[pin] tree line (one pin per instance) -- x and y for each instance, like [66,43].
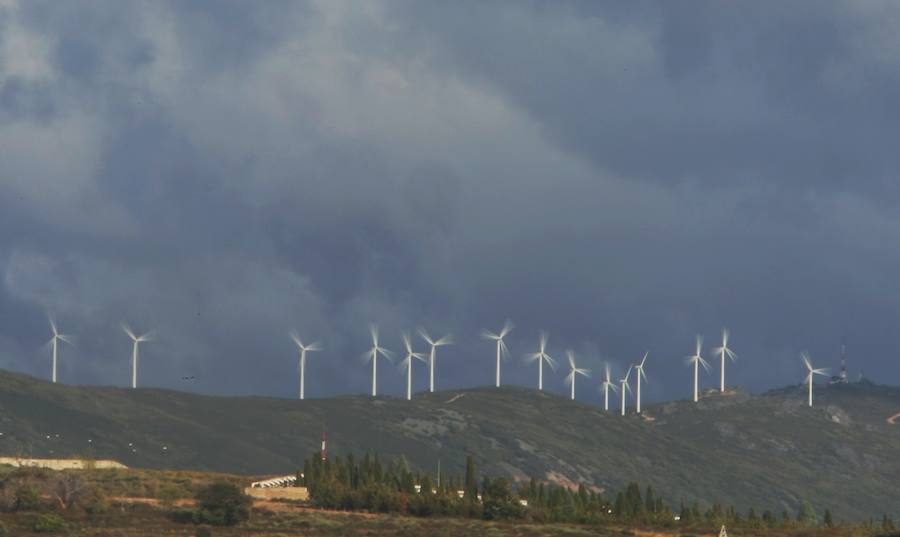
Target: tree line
[368,484]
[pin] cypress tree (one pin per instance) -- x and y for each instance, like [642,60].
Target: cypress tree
[650,500]
[827,519]
[619,508]
[471,487]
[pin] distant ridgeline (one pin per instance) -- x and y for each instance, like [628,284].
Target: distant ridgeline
[368,485]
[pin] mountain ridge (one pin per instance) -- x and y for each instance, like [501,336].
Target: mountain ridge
[768,451]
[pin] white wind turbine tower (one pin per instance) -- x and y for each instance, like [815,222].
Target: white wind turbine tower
[625,387]
[541,356]
[134,352]
[372,354]
[407,363]
[724,351]
[312,347]
[606,386]
[54,343]
[446,340]
[811,372]
[502,350]
[640,373]
[698,361]
[575,371]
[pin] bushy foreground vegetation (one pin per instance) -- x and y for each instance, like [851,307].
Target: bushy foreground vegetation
[369,485]
[131,503]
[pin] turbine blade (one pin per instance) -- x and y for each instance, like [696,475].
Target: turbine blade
[296,337]
[446,340]
[66,338]
[407,343]
[373,330]
[613,387]
[550,361]
[129,331]
[507,328]
[53,326]
[313,347]
[425,336]
[571,356]
[149,336]
[490,335]
[544,339]
[704,363]
[806,361]
[644,359]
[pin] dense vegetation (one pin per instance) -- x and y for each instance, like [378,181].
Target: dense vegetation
[368,484]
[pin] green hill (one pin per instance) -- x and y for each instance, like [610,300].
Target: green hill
[767,451]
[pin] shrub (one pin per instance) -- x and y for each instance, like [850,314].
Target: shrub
[95,503]
[182,516]
[48,523]
[27,499]
[4,531]
[222,504]
[203,531]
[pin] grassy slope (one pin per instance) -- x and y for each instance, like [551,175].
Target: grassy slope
[765,451]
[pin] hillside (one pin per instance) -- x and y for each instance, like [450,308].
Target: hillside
[767,451]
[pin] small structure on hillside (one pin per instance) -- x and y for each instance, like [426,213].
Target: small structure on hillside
[277,488]
[62,464]
[722,532]
[273,482]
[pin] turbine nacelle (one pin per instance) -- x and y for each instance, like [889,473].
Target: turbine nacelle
[149,336]
[574,370]
[446,340]
[312,347]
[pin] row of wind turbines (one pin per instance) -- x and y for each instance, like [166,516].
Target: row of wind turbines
[64,338]
[696,360]
[724,353]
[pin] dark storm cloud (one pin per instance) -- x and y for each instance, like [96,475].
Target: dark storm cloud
[624,178]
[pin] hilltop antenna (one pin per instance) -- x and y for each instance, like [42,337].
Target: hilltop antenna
[324,446]
[439,475]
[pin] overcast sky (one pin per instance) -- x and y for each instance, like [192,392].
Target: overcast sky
[623,176]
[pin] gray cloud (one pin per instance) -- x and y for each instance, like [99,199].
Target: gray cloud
[624,178]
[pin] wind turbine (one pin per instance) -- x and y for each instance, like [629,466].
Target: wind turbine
[407,363]
[502,350]
[541,356]
[134,352]
[574,371]
[640,373]
[724,351]
[625,387]
[811,372]
[446,340]
[312,347]
[606,386]
[54,343]
[372,354]
[698,361]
